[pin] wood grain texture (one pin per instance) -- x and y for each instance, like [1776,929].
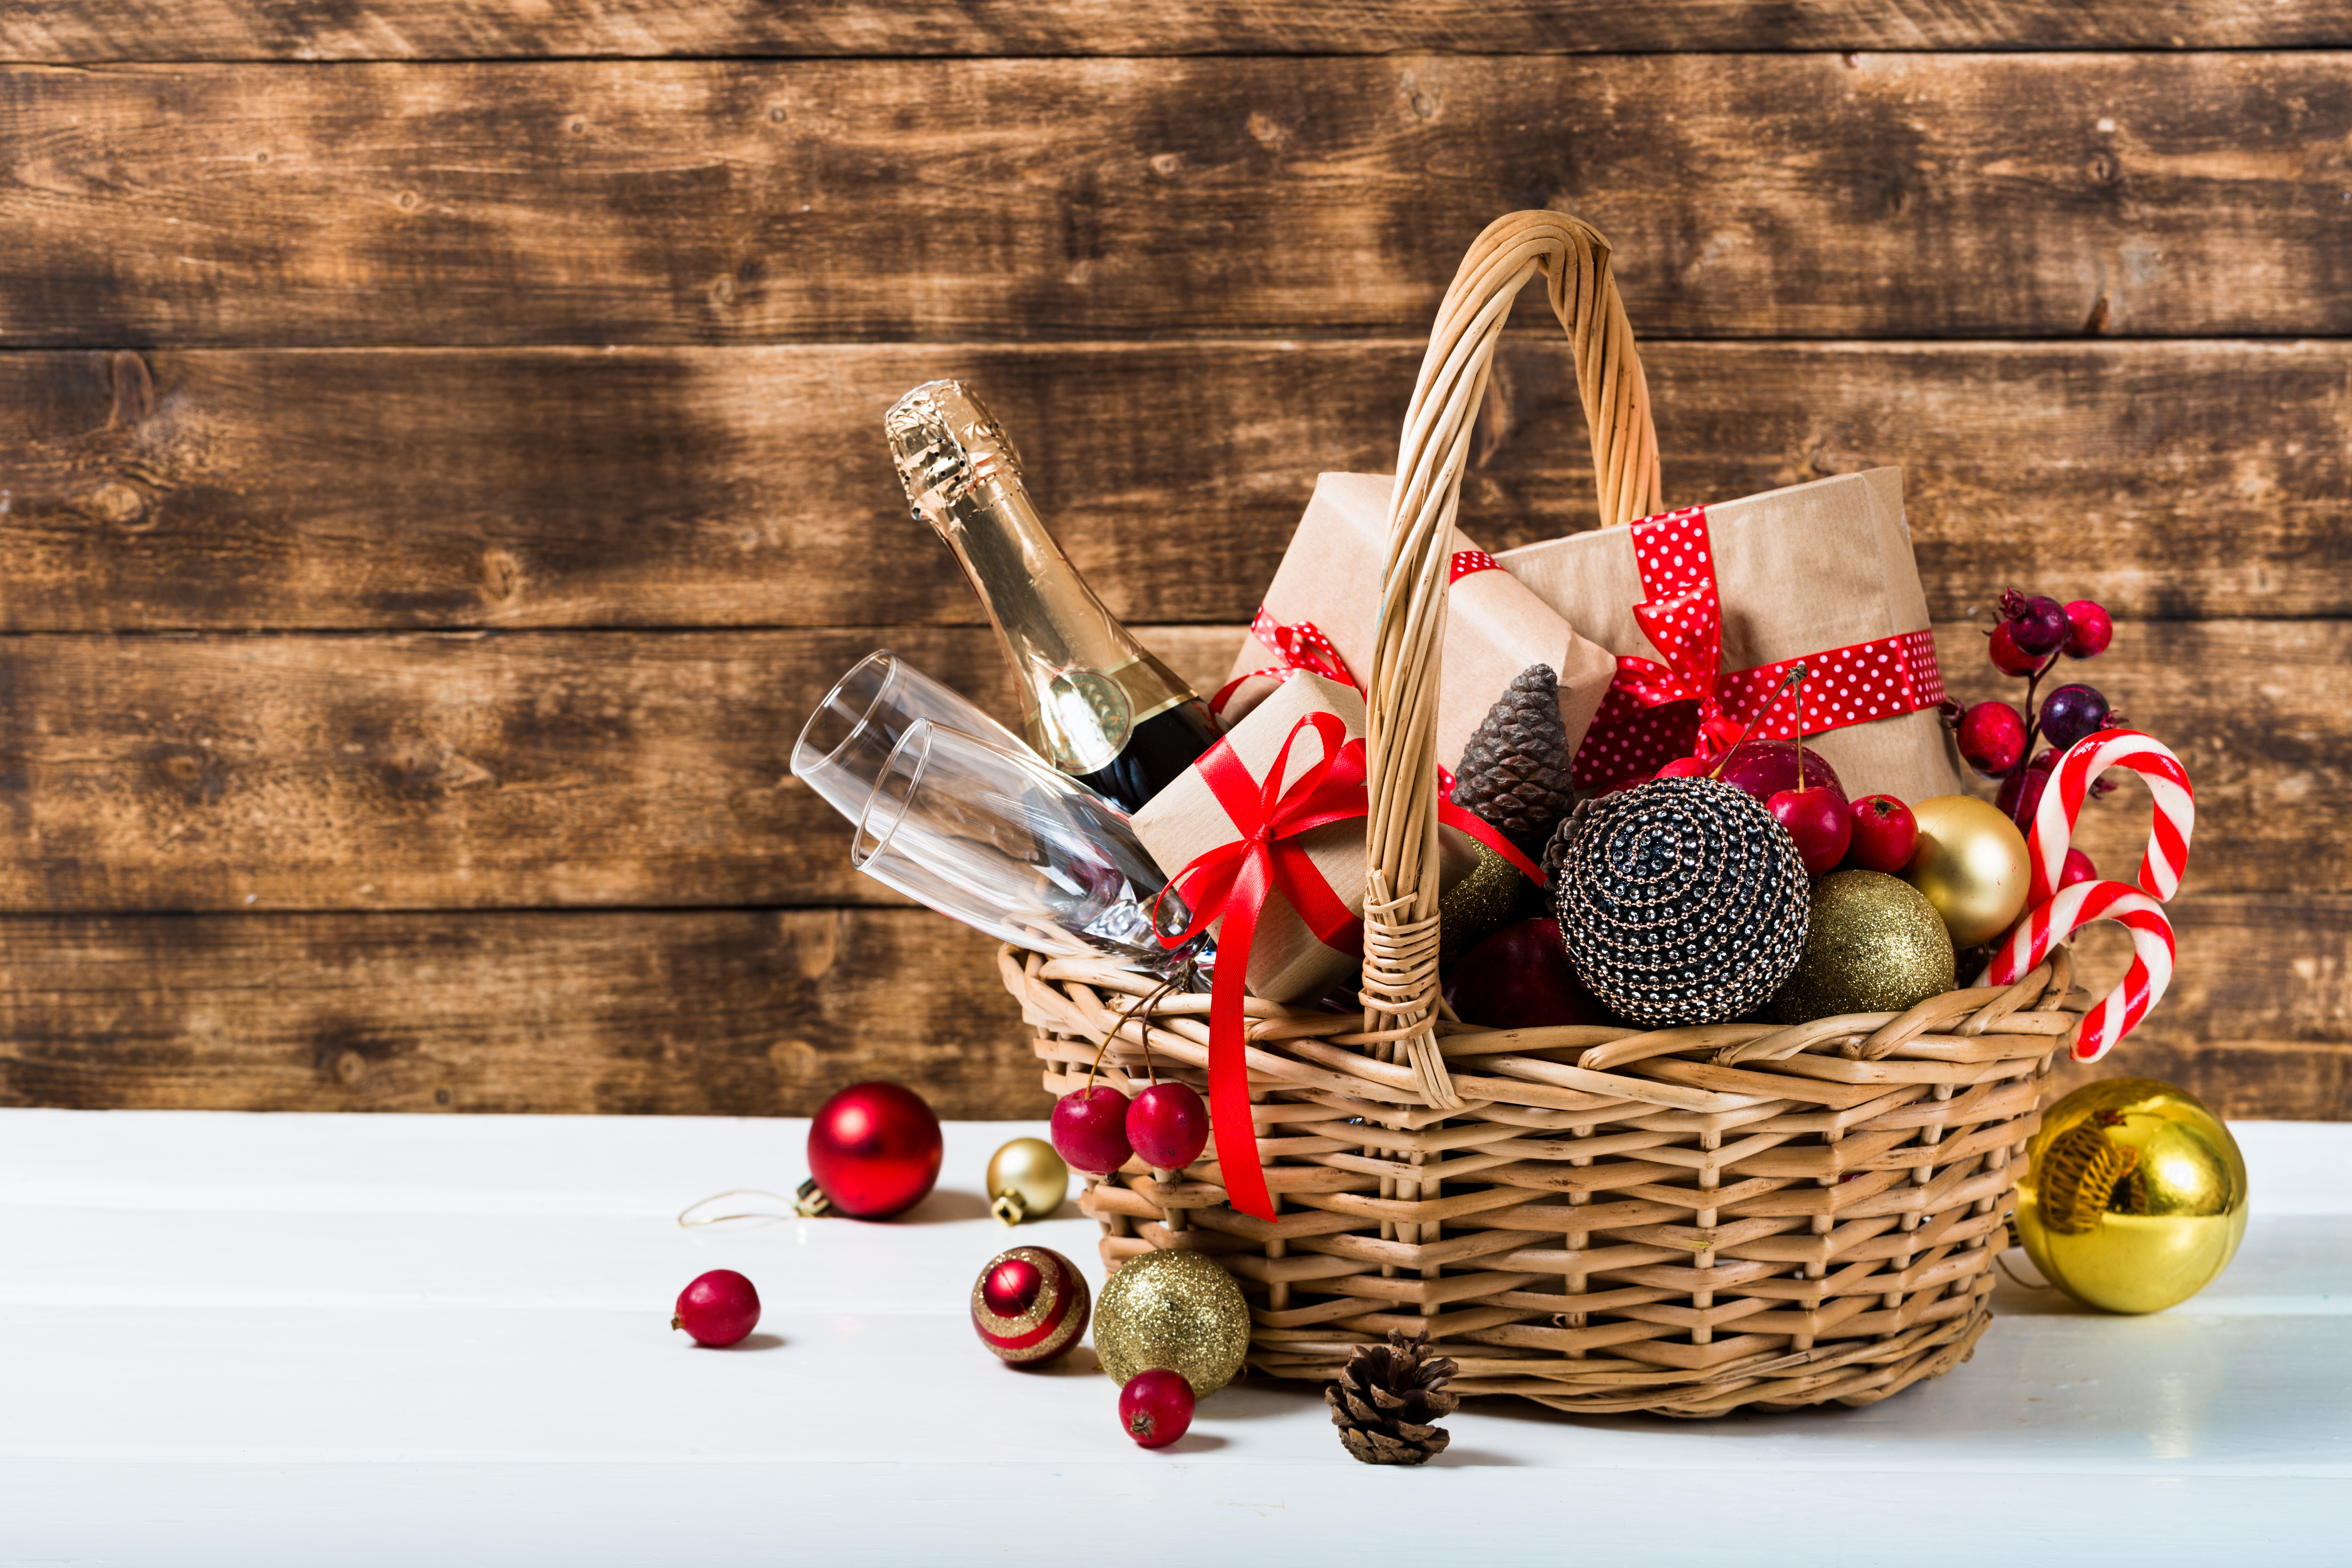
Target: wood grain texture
[765,1012]
[128,31]
[1810,196]
[257,489]
[471,770]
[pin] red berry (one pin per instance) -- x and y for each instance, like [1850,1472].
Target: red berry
[1885,833]
[2020,792]
[1090,1129]
[1992,737]
[1685,768]
[1167,1125]
[2037,626]
[717,1309]
[2078,869]
[2007,657]
[1820,821]
[2090,629]
[1156,1407]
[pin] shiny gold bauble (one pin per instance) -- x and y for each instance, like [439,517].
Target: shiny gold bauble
[1874,944]
[1478,906]
[2135,1198]
[1027,1181]
[1971,864]
[1177,1311]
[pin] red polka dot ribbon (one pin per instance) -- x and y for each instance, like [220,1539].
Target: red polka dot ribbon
[1302,647]
[1689,706]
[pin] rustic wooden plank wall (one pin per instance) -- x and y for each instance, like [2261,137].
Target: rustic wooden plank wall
[438,459]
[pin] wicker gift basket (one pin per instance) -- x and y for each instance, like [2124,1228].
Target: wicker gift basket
[1681,1220]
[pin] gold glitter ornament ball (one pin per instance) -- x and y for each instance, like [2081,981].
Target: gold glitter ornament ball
[1177,1311]
[1026,1180]
[2135,1198]
[1971,864]
[1478,906]
[1874,944]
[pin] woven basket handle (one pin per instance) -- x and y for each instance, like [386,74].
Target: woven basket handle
[1399,986]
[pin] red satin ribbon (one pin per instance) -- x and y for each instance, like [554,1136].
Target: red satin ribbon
[1304,645]
[1232,882]
[1640,727]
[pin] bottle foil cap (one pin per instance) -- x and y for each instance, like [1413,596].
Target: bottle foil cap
[945,442]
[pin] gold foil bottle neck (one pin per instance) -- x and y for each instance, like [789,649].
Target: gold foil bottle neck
[945,443]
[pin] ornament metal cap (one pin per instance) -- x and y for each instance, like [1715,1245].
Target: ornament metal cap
[810,1202]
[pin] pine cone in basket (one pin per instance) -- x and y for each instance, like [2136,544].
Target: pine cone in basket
[1387,1398]
[1514,773]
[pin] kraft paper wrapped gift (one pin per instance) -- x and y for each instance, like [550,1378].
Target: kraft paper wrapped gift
[1328,593]
[1287,962]
[1821,573]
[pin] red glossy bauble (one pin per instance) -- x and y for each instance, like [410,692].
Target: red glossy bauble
[1029,1305]
[1885,835]
[1765,768]
[1089,1128]
[1821,822]
[1685,768]
[719,1308]
[1520,978]
[873,1149]
[1168,1126]
[2077,868]
[1156,1407]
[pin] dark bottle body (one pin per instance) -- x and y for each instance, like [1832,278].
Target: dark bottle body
[1157,751]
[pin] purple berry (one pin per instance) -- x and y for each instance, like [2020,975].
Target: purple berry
[2037,626]
[2071,712]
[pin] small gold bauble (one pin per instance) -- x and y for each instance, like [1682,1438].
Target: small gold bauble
[1874,944]
[2135,1196]
[1971,864]
[1478,906]
[1027,1181]
[1173,1310]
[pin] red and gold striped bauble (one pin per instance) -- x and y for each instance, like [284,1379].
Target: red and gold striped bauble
[1029,1305]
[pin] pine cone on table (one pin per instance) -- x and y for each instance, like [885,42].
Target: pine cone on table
[1387,1398]
[1515,771]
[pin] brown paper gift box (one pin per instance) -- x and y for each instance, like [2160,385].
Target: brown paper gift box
[1330,576]
[1800,571]
[1288,962]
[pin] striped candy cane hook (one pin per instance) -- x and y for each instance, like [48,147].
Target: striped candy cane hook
[2118,1013]
[2070,785]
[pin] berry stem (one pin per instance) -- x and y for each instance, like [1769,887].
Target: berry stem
[2025,755]
[1792,678]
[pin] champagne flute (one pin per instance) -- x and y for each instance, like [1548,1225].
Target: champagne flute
[992,836]
[844,745]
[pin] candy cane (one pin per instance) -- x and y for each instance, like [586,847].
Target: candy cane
[2118,1013]
[2070,785]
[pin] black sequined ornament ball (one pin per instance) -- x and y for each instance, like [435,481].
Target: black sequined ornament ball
[1680,901]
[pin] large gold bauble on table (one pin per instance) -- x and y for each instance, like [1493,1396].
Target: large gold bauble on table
[1874,944]
[1177,1311]
[2136,1195]
[1027,1181]
[1971,864]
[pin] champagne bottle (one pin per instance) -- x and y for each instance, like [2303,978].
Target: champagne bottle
[1098,705]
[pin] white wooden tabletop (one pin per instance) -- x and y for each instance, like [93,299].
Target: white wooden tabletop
[346,1340]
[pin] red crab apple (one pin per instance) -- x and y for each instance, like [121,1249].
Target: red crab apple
[1885,833]
[1819,819]
[1167,1125]
[1089,1129]
[1765,768]
[1520,978]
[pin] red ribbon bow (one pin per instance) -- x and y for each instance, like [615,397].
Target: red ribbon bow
[1302,647]
[1232,882]
[1687,627]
